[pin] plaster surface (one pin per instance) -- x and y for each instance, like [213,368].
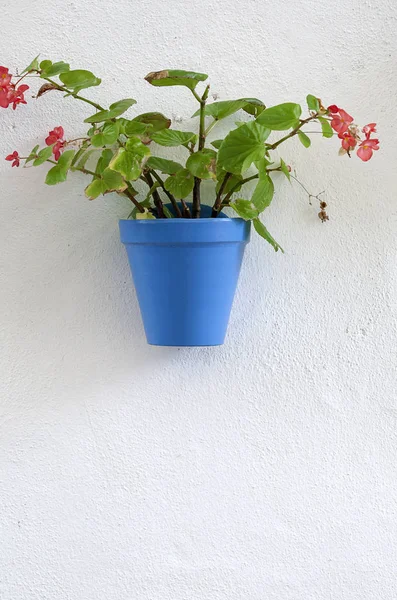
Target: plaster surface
[261,470]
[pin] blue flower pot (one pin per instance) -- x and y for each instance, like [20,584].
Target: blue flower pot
[185,273]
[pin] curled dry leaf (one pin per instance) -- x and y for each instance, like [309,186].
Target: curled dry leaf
[47,87]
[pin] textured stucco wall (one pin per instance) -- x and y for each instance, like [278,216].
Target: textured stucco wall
[261,470]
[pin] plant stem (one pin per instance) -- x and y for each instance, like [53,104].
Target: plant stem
[240,183]
[62,88]
[292,133]
[201,144]
[167,193]
[196,198]
[20,79]
[211,126]
[316,196]
[186,209]
[218,200]
[156,197]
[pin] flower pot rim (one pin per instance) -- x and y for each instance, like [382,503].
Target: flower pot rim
[184,231]
[184,220]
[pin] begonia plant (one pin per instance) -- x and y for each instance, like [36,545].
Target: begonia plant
[119,150]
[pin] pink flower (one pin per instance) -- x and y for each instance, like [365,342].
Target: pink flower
[56,134]
[333,108]
[340,122]
[9,93]
[16,95]
[14,157]
[4,101]
[55,137]
[368,129]
[367,148]
[348,140]
[5,78]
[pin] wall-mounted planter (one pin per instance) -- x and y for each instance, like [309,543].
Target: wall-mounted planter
[185,273]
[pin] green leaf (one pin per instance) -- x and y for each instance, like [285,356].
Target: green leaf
[263,193]
[45,64]
[139,150]
[163,164]
[313,103]
[326,128]
[145,215]
[146,203]
[157,120]
[202,164]
[54,69]
[109,181]
[245,209]
[42,156]
[115,110]
[168,213]
[217,144]
[262,165]
[222,109]
[127,164]
[285,170]
[173,137]
[263,232]
[242,146]
[80,152]
[103,161]
[181,184]
[254,106]
[280,117]
[128,160]
[175,77]
[113,180]
[95,189]
[225,108]
[304,139]
[107,135]
[59,172]
[82,160]
[34,65]
[79,79]
[135,128]
[32,154]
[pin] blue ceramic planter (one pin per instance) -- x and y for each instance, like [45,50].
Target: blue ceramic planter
[185,273]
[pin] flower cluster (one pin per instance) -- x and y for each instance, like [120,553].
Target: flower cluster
[11,94]
[56,137]
[14,158]
[342,123]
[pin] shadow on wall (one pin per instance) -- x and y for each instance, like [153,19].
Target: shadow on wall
[72,304]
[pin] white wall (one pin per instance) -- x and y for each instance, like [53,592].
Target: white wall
[261,470]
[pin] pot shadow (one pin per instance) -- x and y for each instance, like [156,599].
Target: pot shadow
[76,317]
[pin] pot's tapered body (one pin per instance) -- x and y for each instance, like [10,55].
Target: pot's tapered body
[185,273]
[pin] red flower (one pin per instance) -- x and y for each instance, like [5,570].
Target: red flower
[367,148]
[16,95]
[368,129]
[340,122]
[4,101]
[9,93]
[55,137]
[5,78]
[14,157]
[348,140]
[333,108]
